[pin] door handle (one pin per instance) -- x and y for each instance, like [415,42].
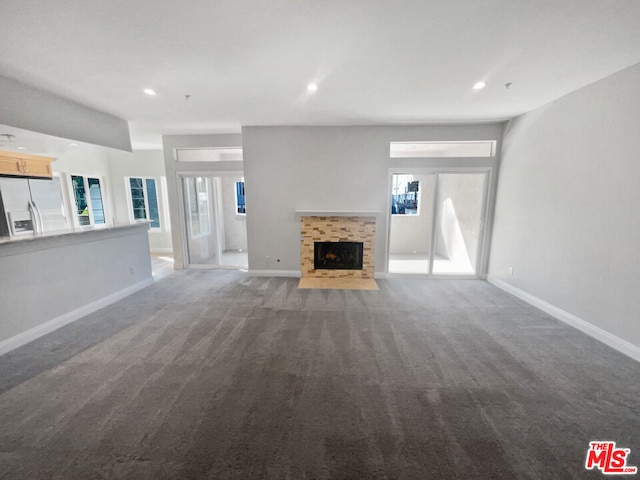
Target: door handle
[35,218]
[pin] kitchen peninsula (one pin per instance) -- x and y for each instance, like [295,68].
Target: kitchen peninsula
[49,280]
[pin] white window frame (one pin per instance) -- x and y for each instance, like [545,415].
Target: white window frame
[147,218]
[74,205]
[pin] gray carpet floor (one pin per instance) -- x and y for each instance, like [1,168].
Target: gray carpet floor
[217,375]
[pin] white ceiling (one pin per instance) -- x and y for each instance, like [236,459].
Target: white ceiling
[247,62]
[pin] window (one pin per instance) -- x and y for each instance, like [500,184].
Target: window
[442,149]
[404,195]
[240,205]
[144,200]
[197,190]
[87,193]
[227,154]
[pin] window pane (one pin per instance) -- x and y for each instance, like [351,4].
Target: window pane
[152,199]
[79,194]
[203,204]
[137,199]
[192,196]
[197,198]
[240,197]
[442,149]
[404,195]
[209,154]
[95,194]
[459,222]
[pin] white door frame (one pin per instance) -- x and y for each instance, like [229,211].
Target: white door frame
[214,215]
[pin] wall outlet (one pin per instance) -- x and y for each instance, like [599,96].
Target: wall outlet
[510,270]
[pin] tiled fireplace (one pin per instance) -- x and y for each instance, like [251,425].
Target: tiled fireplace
[340,246]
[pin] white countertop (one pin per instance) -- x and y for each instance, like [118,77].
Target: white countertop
[71,231]
[35,242]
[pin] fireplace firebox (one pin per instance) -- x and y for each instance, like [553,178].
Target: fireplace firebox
[338,255]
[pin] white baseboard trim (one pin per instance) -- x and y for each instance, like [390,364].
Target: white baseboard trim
[160,251]
[275,273]
[598,333]
[51,325]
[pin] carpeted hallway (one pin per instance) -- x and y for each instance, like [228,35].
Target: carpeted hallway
[217,375]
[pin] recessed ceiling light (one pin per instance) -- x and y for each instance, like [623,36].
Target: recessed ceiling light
[479,86]
[149,91]
[73,144]
[21,148]
[312,87]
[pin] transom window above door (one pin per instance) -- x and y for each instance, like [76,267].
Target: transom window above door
[442,149]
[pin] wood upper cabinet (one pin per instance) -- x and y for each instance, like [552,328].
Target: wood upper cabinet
[23,165]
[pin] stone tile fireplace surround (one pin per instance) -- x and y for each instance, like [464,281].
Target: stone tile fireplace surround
[333,227]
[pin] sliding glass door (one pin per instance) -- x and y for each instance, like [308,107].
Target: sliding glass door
[201,243]
[458,223]
[215,221]
[443,234]
[412,213]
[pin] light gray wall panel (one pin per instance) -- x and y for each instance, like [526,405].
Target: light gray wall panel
[32,109]
[45,278]
[566,218]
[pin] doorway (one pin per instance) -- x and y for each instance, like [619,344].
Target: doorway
[215,221]
[437,222]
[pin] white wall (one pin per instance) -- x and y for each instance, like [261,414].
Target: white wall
[567,206]
[328,168]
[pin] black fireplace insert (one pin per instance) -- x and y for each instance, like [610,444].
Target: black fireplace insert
[337,255]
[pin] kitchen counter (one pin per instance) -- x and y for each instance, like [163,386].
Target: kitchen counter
[72,231]
[48,280]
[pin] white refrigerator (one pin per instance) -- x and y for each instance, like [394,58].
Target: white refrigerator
[31,206]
